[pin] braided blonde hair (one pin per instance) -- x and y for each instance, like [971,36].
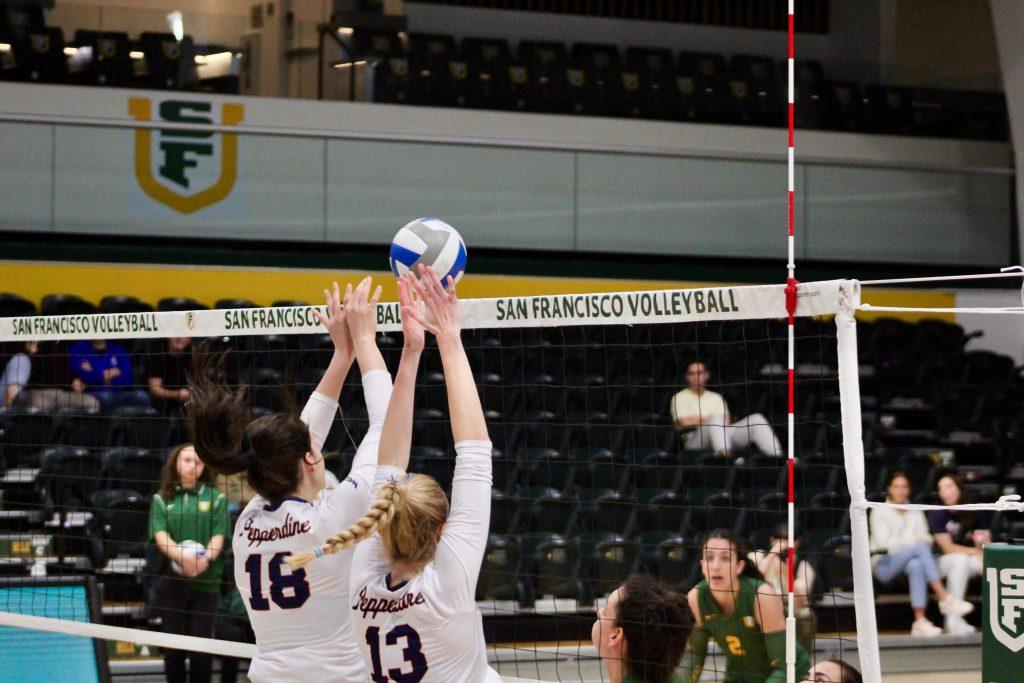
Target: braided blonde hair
[409,516]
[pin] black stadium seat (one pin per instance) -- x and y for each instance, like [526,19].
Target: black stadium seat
[498,576]
[65,304]
[123,304]
[13,305]
[26,430]
[40,56]
[108,61]
[170,63]
[68,477]
[119,526]
[137,469]
[179,303]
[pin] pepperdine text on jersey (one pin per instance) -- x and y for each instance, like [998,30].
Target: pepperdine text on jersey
[290,527]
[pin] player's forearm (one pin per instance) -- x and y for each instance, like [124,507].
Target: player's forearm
[368,355]
[396,438]
[214,547]
[467,415]
[335,374]
[168,546]
[693,656]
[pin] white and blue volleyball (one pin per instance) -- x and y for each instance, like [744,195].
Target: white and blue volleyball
[430,242]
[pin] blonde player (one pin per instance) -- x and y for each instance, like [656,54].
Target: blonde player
[303,630]
[413,582]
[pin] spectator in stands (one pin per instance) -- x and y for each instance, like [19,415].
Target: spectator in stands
[833,671]
[900,543]
[704,416]
[104,369]
[188,521]
[641,631]
[772,564]
[168,376]
[960,535]
[15,388]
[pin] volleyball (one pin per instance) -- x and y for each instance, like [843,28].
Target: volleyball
[189,548]
[431,242]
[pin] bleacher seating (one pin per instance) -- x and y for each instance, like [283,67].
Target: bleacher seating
[550,77]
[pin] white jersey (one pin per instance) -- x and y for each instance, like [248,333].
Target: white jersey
[429,629]
[303,630]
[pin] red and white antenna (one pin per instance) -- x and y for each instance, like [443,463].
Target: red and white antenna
[791,285]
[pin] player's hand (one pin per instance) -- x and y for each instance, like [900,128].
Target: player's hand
[361,311]
[334,321]
[190,564]
[77,385]
[443,318]
[412,328]
[184,394]
[202,564]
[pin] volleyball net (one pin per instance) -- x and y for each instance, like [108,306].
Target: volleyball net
[595,475]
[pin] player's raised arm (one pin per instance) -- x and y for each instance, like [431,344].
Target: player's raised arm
[396,439]
[361,316]
[322,405]
[445,323]
[464,538]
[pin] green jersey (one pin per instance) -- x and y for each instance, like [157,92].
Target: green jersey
[196,515]
[751,656]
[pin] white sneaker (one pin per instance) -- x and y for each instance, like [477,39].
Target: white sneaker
[923,628]
[956,626]
[951,606]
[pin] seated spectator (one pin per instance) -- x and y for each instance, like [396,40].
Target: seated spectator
[15,388]
[168,376]
[833,671]
[900,543]
[961,536]
[104,369]
[772,564]
[188,521]
[641,631]
[705,416]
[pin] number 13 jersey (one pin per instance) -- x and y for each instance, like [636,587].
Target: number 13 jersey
[428,629]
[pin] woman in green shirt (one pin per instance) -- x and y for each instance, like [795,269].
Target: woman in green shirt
[744,615]
[188,521]
[641,631]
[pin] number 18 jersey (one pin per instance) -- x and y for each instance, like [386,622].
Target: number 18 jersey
[300,618]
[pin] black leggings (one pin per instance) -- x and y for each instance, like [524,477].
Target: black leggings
[186,611]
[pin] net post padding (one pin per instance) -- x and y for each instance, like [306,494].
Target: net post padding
[853,456]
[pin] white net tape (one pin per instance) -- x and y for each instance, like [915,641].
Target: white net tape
[613,308]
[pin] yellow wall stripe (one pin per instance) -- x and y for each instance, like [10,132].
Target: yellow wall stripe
[150,283]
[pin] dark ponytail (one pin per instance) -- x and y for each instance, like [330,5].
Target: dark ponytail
[227,439]
[739,546]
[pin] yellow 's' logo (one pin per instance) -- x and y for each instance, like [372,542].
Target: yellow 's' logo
[182,149]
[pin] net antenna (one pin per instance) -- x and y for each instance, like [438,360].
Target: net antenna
[791,285]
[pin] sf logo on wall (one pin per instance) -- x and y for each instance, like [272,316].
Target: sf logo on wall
[186,176]
[1006,606]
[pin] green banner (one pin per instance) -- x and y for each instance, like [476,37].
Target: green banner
[1002,649]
